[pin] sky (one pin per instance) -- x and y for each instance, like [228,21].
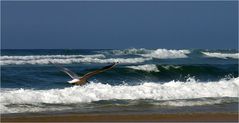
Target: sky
[119,25]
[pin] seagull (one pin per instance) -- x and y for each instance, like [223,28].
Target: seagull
[76,80]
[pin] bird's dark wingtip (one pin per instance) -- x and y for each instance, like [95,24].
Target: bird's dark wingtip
[50,62]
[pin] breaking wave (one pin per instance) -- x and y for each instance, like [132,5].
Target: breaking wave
[158,53]
[167,54]
[97,91]
[222,55]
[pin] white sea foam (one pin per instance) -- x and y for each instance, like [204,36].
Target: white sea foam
[97,91]
[167,54]
[72,60]
[147,67]
[222,55]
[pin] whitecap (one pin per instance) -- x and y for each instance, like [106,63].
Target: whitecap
[148,90]
[146,67]
[167,54]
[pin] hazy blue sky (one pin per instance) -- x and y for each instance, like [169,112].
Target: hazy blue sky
[90,25]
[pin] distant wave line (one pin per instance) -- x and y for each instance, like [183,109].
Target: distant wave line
[222,55]
[74,60]
[30,57]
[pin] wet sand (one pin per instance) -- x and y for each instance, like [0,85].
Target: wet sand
[198,117]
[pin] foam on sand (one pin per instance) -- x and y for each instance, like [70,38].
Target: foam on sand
[196,102]
[222,55]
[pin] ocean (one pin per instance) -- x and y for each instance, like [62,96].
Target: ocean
[144,81]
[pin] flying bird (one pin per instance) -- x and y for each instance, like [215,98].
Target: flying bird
[76,80]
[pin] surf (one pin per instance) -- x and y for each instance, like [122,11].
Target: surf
[147,90]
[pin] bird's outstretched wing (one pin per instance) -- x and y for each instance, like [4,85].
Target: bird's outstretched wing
[90,74]
[67,71]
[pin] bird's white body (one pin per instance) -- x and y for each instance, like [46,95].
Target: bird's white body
[74,81]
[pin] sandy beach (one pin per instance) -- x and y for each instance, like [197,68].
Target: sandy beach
[198,117]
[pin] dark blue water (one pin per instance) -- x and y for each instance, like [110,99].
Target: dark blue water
[147,71]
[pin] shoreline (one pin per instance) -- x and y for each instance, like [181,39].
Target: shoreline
[185,117]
